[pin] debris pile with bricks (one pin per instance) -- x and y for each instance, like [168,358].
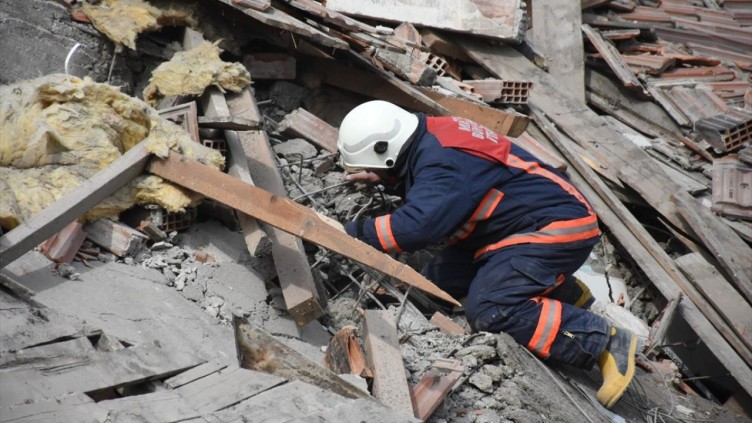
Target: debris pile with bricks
[172,200]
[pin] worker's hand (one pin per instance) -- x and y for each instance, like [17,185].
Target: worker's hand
[364,177]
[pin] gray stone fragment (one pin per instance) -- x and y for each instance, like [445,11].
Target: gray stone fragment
[287,95]
[296,148]
[482,381]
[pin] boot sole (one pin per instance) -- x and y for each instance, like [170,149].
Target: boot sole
[627,377]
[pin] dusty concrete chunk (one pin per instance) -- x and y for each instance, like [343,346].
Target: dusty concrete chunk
[296,148]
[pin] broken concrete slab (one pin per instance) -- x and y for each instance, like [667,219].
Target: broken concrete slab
[132,304]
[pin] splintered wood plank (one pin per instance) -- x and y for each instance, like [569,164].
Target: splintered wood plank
[345,355]
[101,371]
[286,215]
[115,237]
[162,406]
[227,387]
[301,295]
[734,255]
[71,206]
[302,123]
[556,31]
[195,373]
[384,357]
[259,351]
[720,293]
[434,386]
[501,19]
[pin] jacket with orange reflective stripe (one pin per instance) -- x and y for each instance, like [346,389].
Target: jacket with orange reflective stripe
[450,168]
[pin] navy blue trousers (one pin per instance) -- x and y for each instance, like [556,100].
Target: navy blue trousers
[527,291]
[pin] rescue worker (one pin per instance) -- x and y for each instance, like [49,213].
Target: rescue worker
[516,229]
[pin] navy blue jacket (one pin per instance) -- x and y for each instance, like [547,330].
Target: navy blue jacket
[472,187]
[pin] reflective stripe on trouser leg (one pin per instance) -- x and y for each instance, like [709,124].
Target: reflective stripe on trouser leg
[547,329]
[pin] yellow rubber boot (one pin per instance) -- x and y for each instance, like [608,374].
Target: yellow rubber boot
[585,300]
[617,365]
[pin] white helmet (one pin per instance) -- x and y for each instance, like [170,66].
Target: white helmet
[373,133]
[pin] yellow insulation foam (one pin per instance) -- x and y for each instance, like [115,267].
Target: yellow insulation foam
[190,72]
[122,20]
[57,132]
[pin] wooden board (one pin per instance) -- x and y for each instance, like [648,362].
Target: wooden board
[720,293]
[382,348]
[214,104]
[286,215]
[502,19]
[301,295]
[91,192]
[259,351]
[556,31]
[734,255]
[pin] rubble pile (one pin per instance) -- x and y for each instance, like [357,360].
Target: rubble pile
[253,306]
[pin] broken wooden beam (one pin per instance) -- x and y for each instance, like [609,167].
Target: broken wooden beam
[302,298]
[63,246]
[259,351]
[502,20]
[303,124]
[345,354]
[115,237]
[214,104]
[286,215]
[71,206]
[434,386]
[384,357]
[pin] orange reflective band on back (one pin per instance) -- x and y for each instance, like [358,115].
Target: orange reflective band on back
[484,211]
[535,169]
[556,232]
[384,232]
[548,326]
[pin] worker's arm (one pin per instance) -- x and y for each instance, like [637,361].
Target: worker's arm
[437,203]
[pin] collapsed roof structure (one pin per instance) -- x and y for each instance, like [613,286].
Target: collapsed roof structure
[647,107]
